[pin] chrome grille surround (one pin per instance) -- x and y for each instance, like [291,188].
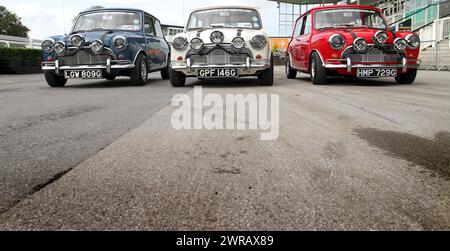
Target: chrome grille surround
[83,57]
[218,55]
[373,55]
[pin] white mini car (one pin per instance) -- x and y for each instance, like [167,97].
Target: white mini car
[222,42]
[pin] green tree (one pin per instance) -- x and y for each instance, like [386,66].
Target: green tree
[10,24]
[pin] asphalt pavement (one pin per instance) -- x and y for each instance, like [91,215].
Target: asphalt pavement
[351,155]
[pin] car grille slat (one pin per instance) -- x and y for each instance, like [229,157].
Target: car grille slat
[374,56]
[218,57]
[83,58]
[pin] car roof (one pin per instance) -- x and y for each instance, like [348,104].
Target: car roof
[117,9]
[340,6]
[226,6]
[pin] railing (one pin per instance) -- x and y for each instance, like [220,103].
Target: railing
[437,31]
[19,42]
[432,57]
[424,14]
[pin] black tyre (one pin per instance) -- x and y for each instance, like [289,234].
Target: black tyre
[139,74]
[290,72]
[318,72]
[407,78]
[54,80]
[266,76]
[110,78]
[165,72]
[177,79]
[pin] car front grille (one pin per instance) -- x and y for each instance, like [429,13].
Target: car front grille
[374,56]
[83,58]
[218,57]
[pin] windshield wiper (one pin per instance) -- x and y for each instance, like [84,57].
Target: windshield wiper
[95,29]
[78,31]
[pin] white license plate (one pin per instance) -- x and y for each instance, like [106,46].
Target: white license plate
[376,73]
[217,73]
[85,74]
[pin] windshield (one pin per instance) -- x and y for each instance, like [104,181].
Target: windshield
[129,21]
[349,18]
[235,18]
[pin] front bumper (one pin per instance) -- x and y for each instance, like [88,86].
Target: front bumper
[108,66]
[349,65]
[248,66]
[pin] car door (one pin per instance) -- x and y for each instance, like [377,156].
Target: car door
[152,46]
[294,46]
[304,42]
[163,45]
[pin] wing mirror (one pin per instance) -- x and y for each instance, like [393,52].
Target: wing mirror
[392,28]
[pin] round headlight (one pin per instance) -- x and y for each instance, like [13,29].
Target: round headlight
[400,44]
[196,43]
[47,45]
[77,40]
[381,37]
[59,47]
[413,41]
[180,43]
[360,44]
[258,41]
[120,42]
[97,46]
[336,41]
[238,42]
[217,37]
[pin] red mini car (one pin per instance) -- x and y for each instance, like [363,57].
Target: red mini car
[352,41]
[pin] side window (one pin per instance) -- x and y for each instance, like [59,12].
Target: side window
[307,25]
[158,29]
[149,27]
[298,27]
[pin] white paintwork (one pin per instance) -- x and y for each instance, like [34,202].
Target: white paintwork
[229,34]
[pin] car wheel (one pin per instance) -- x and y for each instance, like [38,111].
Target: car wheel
[290,73]
[54,80]
[139,75]
[177,79]
[266,76]
[165,72]
[407,78]
[318,72]
[110,78]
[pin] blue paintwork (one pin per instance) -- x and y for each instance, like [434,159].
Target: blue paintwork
[156,49]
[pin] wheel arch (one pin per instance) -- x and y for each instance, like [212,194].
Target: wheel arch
[140,52]
[310,58]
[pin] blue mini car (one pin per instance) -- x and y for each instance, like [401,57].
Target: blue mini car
[106,43]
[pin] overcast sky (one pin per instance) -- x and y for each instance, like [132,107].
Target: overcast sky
[50,17]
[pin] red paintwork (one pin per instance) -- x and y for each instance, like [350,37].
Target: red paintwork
[300,48]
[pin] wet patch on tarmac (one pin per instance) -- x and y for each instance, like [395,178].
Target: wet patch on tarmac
[433,154]
[232,170]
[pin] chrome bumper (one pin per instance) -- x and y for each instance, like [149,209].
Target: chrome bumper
[249,65]
[108,66]
[347,64]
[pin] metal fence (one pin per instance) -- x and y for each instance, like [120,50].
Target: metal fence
[435,55]
[19,42]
